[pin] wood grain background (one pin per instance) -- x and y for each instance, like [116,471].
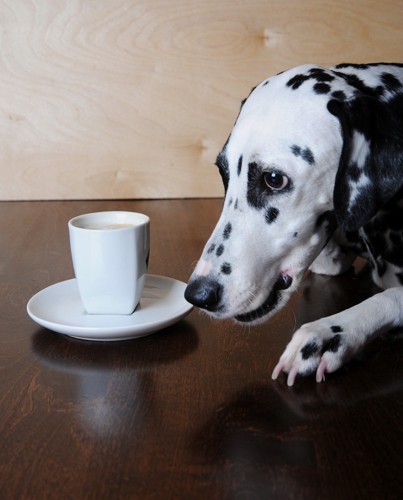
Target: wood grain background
[134,98]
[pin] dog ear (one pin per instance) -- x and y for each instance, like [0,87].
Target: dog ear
[371,163]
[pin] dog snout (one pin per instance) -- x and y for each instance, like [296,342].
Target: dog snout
[204,292]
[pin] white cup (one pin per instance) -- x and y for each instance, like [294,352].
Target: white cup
[110,257]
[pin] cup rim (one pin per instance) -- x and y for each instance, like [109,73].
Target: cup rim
[144,219]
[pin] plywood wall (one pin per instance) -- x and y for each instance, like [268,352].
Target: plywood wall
[134,98]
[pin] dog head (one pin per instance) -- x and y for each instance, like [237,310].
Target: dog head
[279,170]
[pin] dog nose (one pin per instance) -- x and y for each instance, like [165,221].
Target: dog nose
[204,293]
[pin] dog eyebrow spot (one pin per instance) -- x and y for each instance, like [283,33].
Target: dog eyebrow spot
[271,214]
[220,250]
[239,166]
[336,329]
[296,150]
[227,231]
[306,154]
[226,268]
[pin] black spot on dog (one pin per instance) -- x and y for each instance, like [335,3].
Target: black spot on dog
[305,153]
[296,150]
[223,168]
[211,248]
[356,82]
[394,255]
[381,267]
[321,88]
[296,81]
[227,231]
[354,173]
[353,65]
[391,83]
[384,236]
[399,276]
[339,95]
[236,204]
[368,65]
[327,218]
[309,350]
[295,234]
[258,193]
[226,268]
[271,214]
[353,237]
[332,345]
[396,238]
[336,329]
[394,218]
[321,75]
[239,169]
[220,250]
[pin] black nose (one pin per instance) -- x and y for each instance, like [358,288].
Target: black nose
[204,293]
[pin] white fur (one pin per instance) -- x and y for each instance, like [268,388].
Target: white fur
[272,120]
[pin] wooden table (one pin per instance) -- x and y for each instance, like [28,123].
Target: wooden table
[190,412]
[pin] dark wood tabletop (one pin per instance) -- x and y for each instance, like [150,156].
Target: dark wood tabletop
[191,411]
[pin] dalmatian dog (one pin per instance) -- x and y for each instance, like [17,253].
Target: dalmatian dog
[313,177]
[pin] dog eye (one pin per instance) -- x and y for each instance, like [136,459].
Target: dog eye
[275,180]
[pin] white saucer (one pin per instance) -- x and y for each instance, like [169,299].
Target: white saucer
[59,308]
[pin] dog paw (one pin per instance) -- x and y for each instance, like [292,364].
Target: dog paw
[318,347]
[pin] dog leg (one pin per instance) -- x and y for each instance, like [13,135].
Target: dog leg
[333,260]
[326,344]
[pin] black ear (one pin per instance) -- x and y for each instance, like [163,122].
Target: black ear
[371,163]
